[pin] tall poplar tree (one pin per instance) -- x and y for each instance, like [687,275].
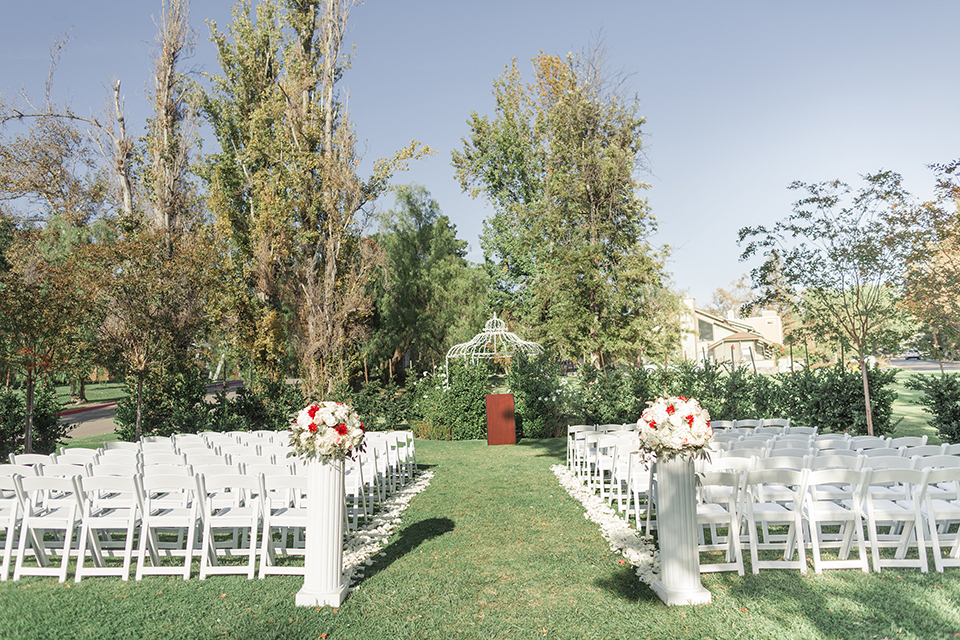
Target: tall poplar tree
[284,186]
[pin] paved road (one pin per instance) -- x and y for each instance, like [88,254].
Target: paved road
[99,421]
[925,366]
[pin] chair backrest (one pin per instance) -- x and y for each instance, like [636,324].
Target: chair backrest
[941,461]
[747,424]
[752,442]
[951,449]
[65,470]
[889,462]
[792,479]
[807,431]
[775,422]
[165,457]
[239,487]
[168,489]
[782,462]
[79,452]
[718,425]
[887,477]
[831,442]
[114,469]
[835,462]
[854,479]
[947,480]
[924,450]
[167,470]
[9,470]
[730,463]
[121,456]
[48,491]
[836,452]
[744,453]
[30,459]
[79,460]
[908,441]
[869,442]
[882,453]
[121,445]
[769,431]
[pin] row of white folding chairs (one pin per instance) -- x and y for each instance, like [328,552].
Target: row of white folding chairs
[902,509]
[89,513]
[744,424]
[360,496]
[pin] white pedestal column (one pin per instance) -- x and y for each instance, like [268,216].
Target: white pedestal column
[677,530]
[323,579]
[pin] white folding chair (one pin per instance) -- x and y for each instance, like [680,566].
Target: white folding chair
[110,506]
[9,521]
[941,513]
[167,503]
[787,514]
[902,518]
[721,513]
[284,508]
[908,441]
[241,514]
[60,509]
[820,508]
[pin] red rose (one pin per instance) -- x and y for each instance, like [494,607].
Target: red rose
[653,424]
[671,410]
[363,429]
[312,411]
[342,429]
[689,420]
[313,427]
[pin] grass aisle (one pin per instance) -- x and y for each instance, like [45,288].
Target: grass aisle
[494,548]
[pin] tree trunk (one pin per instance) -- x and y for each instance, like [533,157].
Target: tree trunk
[28,439]
[139,406]
[866,394]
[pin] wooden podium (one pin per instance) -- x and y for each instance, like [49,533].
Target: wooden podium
[501,425]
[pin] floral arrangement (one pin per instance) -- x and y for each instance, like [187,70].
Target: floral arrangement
[674,425]
[326,430]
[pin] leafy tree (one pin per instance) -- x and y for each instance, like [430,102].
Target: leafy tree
[847,250]
[44,306]
[732,299]
[567,249]
[932,288]
[415,303]
[284,186]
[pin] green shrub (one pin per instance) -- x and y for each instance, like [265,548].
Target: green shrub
[941,399]
[47,430]
[537,396]
[172,403]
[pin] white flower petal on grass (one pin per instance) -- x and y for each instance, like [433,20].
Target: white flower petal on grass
[639,552]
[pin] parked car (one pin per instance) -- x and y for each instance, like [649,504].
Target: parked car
[911,354]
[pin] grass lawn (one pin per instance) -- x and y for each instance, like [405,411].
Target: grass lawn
[97,393]
[913,420]
[494,548]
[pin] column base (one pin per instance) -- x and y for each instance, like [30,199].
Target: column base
[673,596]
[320,598]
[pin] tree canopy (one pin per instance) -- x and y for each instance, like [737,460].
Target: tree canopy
[567,248]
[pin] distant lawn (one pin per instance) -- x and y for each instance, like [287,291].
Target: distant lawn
[493,549]
[96,392]
[914,421]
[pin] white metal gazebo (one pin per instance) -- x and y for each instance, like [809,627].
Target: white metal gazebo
[494,342]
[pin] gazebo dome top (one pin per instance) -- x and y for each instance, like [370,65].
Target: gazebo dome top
[493,342]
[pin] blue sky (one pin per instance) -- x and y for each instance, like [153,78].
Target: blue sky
[741,98]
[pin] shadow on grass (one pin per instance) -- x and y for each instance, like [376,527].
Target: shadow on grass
[547,447]
[407,540]
[624,584]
